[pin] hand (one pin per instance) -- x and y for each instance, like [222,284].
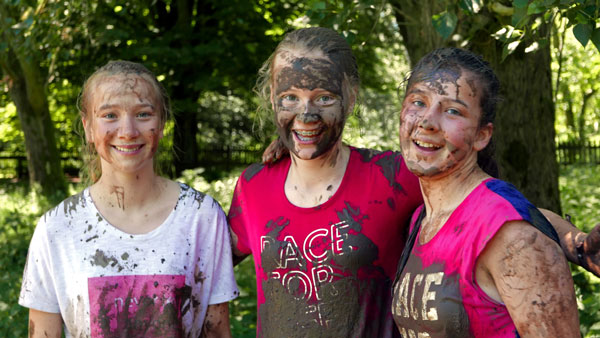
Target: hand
[589,251]
[274,151]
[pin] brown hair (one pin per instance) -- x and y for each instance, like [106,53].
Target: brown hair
[117,68]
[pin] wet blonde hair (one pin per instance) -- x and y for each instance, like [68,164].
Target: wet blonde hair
[85,99]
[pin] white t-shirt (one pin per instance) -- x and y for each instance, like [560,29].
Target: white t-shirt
[105,282]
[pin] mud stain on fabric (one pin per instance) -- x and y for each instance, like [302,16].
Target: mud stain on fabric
[252,170]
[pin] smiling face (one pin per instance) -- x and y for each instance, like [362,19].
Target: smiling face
[308,101]
[440,132]
[124,122]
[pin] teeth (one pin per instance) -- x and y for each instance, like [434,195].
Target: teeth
[307,135]
[426,145]
[307,132]
[127,150]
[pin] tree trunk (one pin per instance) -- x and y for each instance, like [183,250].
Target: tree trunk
[185,114]
[27,90]
[524,127]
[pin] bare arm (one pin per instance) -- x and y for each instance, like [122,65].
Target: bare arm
[236,254]
[531,276]
[44,324]
[572,239]
[216,322]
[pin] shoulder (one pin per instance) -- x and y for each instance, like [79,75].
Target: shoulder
[505,199]
[517,243]
[196,200]
[261,171]
[72,207]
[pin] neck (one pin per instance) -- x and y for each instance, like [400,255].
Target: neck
[326,167]
[442,195]
[128,191]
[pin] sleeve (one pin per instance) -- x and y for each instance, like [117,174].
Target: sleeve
[238,216]
[38,288]
[224,287]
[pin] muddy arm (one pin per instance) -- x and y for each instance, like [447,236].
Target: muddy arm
[580,248]
[533,279]
[44,324]
[216,322]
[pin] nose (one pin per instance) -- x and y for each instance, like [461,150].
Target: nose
[309,114]
[429,119]
[128,128]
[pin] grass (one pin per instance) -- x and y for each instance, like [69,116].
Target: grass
[19,211]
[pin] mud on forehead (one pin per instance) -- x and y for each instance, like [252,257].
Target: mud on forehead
[114,85]
[437,79]
[305,72]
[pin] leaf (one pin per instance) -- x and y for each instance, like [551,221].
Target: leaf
[444,23]
[520,17]
[466,5]
[535,8]
[319,6]
[520,3]
[596,38]
[509,48]
[582,33]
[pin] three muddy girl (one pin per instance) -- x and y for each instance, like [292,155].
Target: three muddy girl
[485,262]
[134,254]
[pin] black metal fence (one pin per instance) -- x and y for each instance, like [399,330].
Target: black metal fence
[15,166]
[578,153]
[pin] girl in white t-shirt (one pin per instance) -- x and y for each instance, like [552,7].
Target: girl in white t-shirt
[134,254]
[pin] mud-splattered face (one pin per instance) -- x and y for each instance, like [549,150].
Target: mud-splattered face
[309,104]
[124,123]
[439,131]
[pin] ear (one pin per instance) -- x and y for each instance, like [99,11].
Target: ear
[87,128]
[484,135]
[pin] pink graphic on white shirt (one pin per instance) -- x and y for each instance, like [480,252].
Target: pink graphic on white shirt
[137,305]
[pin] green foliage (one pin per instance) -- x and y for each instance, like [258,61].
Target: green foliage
[575,71]
[18,215]
[445,23]
[579,192]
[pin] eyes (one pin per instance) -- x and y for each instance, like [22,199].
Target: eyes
[291,100]
[114,115]
[421,104]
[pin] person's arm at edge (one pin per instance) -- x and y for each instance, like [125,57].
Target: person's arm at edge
[236,254]
[573,240]
[540,297]
[216,321]
[44,324]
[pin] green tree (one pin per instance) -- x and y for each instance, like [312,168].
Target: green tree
[21,63]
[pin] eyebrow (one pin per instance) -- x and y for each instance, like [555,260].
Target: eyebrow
[140,105]
[421,91]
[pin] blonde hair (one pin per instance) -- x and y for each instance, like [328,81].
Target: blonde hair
[117,68]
